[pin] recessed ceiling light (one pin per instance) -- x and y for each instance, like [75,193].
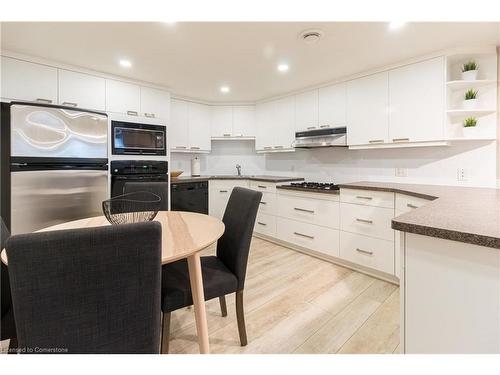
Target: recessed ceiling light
[224,89]
[396,25]
[283,67]
[125,63]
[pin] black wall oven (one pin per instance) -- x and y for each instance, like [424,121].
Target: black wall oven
[129,138]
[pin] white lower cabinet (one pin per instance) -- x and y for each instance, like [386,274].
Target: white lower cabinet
[267,203]
[321,239]
[265,224]
[219,193]
[367,220]
[309,210]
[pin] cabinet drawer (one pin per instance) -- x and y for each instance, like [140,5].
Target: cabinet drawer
[309,236]
[265,224]
[269,187]
[268,203]
[309,210]
[367,220]
[227,184]
[367,197]
[406,203]
[367,251]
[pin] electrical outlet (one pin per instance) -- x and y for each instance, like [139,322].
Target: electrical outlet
[401,172]
[463,174]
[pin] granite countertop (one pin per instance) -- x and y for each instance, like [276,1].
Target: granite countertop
[275,179]
[464,214]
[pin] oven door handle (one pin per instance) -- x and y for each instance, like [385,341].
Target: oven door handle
[141,178]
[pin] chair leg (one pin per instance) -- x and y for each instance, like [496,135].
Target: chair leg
[12,346]
[223,306]
[240,316]
[165,333]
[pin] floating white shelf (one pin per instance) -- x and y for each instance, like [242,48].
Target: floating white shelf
[461,84]
[470,112]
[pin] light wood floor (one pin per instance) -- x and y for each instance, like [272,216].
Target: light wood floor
[295,303]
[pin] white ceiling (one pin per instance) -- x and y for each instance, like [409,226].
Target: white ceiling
[195,59]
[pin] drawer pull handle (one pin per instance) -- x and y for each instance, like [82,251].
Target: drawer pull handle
[261,223]
[262,186]
[401,139]
[183,147]
[324,126]
[70,104]
[149,115]
[303,235]
[364,251]
[132,113]
[364,221]
[411,205]
[195,148]
[376,141]
[263,202]
[226,135]
[267,147]
[222,191]
[42,100]
[303,210]
[363,197]
[311,127]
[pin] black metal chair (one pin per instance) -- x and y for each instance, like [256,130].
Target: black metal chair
[222,274]
[7,324]
[158,188]
[91,290]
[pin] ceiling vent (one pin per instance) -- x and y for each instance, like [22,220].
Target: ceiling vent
[311,36]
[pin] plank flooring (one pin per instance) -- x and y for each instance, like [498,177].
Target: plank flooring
[295,303]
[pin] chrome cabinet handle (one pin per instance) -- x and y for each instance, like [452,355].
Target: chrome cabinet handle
[267,147]
[261,223]
[363,197]
[303,210]
[150,115]
[411,205]
[364,221]
[262,186]
[263,202]
[364,251]
[42,100]
[278,146]
[70,104]
[183,147]
[401,139]
[222,191]
[195,148]
[226,135]
[303,235]
[132,113]
[324,126]
[311,127]
[376,141]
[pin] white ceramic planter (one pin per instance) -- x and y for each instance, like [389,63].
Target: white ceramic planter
[469,104]
[470,75]
[470,131]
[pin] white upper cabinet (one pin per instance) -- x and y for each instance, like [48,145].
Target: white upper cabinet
[82,90]
[367,109]
[332,106]
[178,129]
[265,119]
[284,128]
[416,99]
[222,121]
[244,121]
[23,80]
[199,127]
[306,110]
[123,97]
[155,103]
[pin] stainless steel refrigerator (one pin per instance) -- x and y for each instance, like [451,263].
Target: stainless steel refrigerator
[58,165]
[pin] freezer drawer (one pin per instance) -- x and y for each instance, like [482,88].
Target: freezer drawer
[43,198]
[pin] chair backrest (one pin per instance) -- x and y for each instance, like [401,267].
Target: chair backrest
[239,219]
[158,188]
[6,299]
[92,290]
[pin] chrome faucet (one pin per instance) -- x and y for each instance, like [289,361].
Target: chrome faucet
[238,168]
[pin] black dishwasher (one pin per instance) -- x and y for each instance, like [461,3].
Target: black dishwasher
[189,196]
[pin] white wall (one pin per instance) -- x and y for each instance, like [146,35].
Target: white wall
[431,165]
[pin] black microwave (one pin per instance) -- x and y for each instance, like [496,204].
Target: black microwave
[130,138]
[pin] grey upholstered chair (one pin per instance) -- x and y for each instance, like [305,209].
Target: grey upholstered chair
[7,323]
[91,290]
[158,188]
[222,274]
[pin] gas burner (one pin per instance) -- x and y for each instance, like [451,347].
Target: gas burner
[315,185]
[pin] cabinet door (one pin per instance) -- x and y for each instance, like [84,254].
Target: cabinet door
[22,80]
[199,127]
[222,121]
[306,109]
[283,128]
[155,103]
[244,121]
[332,106]
[367,107]
[123,97]
[82,90]
[265,121]
[416,99]
[178,128]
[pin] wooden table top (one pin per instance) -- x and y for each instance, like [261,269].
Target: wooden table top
[183,233]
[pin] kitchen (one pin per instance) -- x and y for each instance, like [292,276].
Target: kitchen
[369,177]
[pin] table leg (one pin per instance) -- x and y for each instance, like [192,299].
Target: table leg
[196,280]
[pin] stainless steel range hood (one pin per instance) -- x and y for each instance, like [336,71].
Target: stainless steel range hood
[325,137]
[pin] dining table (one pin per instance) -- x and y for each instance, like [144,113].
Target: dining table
[184,236]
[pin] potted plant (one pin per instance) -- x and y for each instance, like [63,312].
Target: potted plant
[470,127]
[469,71]
[470,99]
